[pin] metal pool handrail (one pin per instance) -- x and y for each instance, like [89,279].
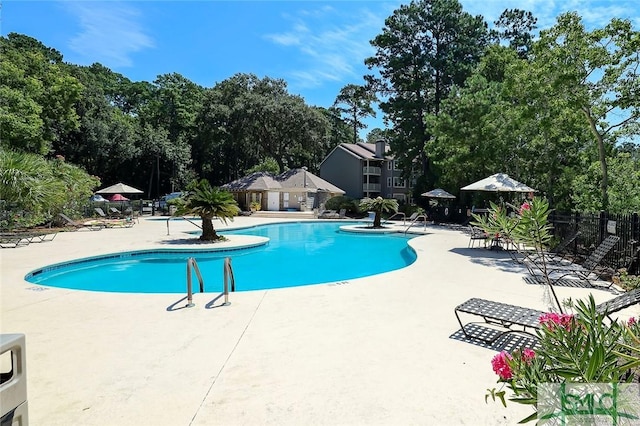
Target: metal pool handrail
[184,218]
[191,263]
[420,216]
[229,280]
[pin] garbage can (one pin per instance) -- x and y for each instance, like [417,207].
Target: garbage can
[13,380]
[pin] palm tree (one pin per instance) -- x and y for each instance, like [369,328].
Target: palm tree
[379,205]
[207,202]
[34,190]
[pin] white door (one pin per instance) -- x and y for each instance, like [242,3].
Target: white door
[285,201]
[273,201]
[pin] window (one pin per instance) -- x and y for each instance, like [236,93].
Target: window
[389,165]
[389,182]
[398,182]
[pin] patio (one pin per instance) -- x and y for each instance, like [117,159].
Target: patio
[377,350]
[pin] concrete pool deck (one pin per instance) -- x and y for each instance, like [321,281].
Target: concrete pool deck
[370,351]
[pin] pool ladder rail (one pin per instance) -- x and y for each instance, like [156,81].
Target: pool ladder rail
[183,218]
[418,217]
[229,280]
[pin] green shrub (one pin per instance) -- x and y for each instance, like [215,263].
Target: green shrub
[626,281]
[343,202]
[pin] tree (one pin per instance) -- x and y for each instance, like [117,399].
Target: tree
[424,49]
[502,119]
[207,202]
[379,205]
[517,26]
[106,137]
[175,104]
[376,134]
[38,95]
[354,101]
[598,73]
[624,191]
[245,119]
[267,165]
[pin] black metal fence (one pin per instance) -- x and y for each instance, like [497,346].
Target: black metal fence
[594,228]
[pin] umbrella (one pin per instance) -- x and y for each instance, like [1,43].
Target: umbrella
[119,188]
[438,193]
[118,197]
[499,182]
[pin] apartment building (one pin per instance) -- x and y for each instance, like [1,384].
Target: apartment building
[365,170]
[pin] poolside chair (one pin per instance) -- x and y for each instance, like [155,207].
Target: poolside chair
[114,212]
[585,272]
[100,212]
[508,316]
[118,223]
[91,225]
[130,213]
[13,240]
[328,214]
[555,256]
[342,213]
[477,234]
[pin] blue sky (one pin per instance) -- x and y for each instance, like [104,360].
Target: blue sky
[317,47]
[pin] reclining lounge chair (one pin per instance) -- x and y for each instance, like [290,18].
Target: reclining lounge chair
[518,319]
[586,272]
[93,225]
[555,256]
[477,234]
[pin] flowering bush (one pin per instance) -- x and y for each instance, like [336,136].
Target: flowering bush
[551,320]
[501,365]
[584,347]
[573,348]
[529,229]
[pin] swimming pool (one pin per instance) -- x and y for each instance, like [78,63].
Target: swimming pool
[299,253]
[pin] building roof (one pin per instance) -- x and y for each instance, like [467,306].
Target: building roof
[258,181]
[365,151]
[296,178]
[289,180]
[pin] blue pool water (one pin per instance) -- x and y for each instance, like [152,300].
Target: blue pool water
[297,254]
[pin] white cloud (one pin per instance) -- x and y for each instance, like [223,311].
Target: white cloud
[331,43]
[110,33]
[595,13]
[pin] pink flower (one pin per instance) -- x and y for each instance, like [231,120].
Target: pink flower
[500,364]
[525,206]
[632,321]
[551,320]
[528,355]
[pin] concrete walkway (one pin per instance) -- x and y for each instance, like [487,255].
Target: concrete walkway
[371,351]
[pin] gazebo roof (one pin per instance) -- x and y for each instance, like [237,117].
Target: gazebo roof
[258,181]
[296,178]
[290,180]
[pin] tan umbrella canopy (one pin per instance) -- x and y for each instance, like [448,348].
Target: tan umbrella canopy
[438,193]
[499,182]
[119,188]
